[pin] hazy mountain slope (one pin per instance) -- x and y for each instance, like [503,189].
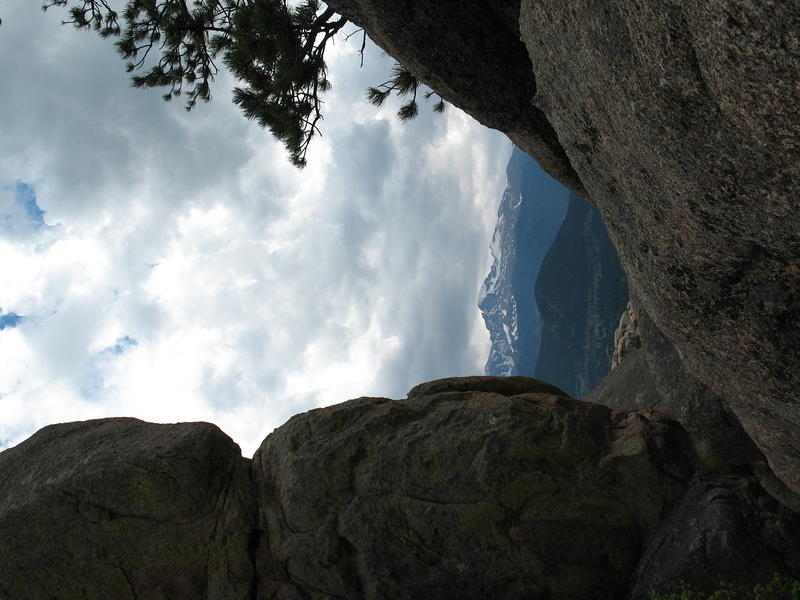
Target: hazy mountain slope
[581,292]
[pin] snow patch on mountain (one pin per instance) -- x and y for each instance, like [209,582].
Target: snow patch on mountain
[530,214]
[496,299]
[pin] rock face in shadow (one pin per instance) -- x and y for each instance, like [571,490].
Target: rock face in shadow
[470,488]
[725,521]
[119,508]
[654,377]
[736,518]
[682,120]
[463,495]
[629,386]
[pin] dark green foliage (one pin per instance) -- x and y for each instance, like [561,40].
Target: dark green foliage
[780,588]
[402,83]
[187,39]
[279,56]
[274,50]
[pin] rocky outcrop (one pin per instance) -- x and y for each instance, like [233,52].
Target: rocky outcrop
[455,44]
[736,514]
[727,521]
[630,386]
[119,508]
[469,488]
[461,494]
[626,336]
[653,376]
[681,121]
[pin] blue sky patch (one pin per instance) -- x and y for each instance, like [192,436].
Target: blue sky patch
[92,381]
[9,320]
[19,211]
[26,198]
[121,346]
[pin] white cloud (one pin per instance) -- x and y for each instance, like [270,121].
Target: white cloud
[252,290]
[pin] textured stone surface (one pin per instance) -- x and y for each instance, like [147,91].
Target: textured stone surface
[626,336]
[727,524]
[119,508]
[630,386]
[462,495]
[454,45]
[653,377]
[719,441]
[505,386]
[681,120]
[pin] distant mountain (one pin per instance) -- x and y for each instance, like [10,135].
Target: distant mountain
[555,289]
[531,212]
[581,291]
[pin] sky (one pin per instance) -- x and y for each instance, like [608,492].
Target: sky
[174,266]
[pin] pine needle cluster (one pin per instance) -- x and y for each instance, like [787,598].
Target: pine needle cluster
[274,49]
[402,83]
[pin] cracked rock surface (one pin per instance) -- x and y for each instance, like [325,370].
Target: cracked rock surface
[460,495]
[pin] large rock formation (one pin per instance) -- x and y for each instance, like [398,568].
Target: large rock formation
[725,521]
[470,488]
[119,508]
[462,494]
[456,44]
[681,121]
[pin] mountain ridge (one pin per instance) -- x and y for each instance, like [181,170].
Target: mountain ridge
[555,289]
[530,214]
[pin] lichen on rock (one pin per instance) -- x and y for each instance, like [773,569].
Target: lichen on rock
[119,508]
[505,491]
[462,494]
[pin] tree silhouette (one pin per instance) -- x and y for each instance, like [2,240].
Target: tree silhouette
[275,51]
[402,83]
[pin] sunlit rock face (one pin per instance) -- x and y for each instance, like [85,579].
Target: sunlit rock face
[626,336]
[681,121]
